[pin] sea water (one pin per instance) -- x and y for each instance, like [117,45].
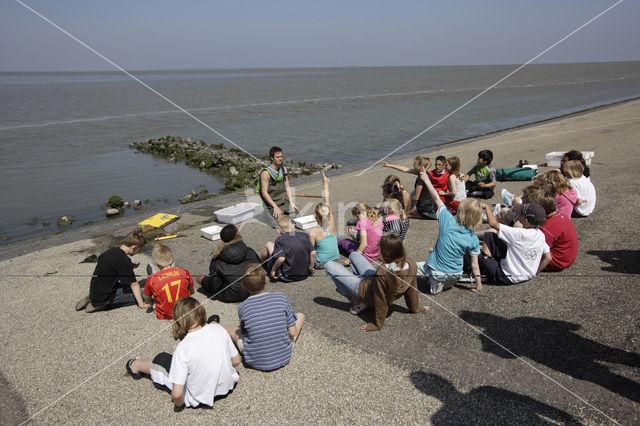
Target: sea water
[64,137]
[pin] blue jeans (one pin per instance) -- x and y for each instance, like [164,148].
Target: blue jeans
[347,282]
[124,296]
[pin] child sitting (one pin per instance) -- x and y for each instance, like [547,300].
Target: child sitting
[566,197]
[393,188]
[422,206]
[574,170]
[268,325]
[456,237]
[202,366]
[323,237]
[395,221]
[559,231]
[369,229]
[167,285]
[228,262]
[514,255]
[292,256]
[114,283]
[378,287]
[457,189]
[485,175]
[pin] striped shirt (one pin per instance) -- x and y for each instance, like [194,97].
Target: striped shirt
[394,225]
[264,321]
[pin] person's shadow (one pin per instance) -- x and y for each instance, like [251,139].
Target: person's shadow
[367,314]
[622,261]
[556,345]
[485,405]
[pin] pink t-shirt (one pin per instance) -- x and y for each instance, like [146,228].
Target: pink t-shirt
[566,202]
[374,233]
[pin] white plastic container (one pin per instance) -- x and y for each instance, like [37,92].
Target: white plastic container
[305,222]
[238,213]
[211,232]
[553,158]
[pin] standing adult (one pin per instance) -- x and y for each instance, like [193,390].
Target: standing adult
[273,186]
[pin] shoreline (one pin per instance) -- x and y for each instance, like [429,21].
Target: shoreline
[17,247]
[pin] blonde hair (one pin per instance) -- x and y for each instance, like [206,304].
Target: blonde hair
[395,207]
[162,256]
[284,222]
[558,181]
[470,213]
[322,213]
[422,160]
[254,278]
[573,169]
[187,313]
[362,207]
[454,162]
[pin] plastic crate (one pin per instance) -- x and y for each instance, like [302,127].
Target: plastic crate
[554,158]
[238,213]
[211,232]
[305,222]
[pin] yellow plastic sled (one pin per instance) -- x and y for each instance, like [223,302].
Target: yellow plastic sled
[160,220]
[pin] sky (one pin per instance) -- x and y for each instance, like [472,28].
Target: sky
[227,34]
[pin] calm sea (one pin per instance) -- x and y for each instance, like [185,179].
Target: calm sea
[64,136]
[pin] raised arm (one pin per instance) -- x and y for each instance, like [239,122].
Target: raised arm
[403,169]
[326,197]
[493,222]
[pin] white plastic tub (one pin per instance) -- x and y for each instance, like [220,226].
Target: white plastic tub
[238,213]
[553,158]
[305,222]
[211,232]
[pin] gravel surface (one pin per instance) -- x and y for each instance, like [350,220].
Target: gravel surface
[562,348]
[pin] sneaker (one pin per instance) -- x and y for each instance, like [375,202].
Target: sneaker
[213,318]
[436,287]
[135,375]
[357,307]
[82,303]
[497,209]
[507,197]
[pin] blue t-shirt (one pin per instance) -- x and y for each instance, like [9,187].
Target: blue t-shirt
[265,319]
[453,242]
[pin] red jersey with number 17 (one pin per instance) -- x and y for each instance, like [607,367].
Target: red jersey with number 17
[166,287]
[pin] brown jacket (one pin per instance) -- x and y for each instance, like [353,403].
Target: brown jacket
[382,289]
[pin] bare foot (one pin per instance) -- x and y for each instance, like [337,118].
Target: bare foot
[422,309]
[346,263]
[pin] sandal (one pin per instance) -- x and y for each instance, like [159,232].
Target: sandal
[136,376]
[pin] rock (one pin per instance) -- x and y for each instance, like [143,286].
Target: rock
[112,212]
[45,223]
[202,164]
[64,221]
[115,201]
[233,171]
[136,203]
[127,205]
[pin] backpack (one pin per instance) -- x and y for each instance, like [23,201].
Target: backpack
[519,173]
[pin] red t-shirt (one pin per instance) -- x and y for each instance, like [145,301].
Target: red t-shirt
[439,182]
[560,235]
[166,287]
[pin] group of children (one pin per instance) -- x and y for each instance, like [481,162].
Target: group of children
[532,233]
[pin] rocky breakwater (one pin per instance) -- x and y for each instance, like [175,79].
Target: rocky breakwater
[239,169]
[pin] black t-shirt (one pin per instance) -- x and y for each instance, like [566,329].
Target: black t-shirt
[425,203]
[296,248]
[114,269]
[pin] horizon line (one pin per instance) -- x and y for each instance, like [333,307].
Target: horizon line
[302,67]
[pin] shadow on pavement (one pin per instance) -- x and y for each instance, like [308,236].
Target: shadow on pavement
[344,306]
[485,404]
[14,410]
[554,344]
[622,261]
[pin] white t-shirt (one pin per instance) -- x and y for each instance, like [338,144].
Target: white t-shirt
[525,249]
[587,192]
[461,190]
[202,362]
